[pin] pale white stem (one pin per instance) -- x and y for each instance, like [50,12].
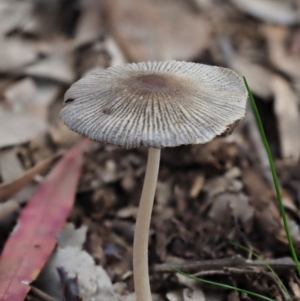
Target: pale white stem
[141,236]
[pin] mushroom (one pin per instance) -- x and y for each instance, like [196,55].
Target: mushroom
[157,105]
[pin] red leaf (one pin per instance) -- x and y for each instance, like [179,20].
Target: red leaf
[34,238]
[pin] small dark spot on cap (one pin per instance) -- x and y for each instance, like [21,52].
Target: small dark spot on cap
[230,128]
[107,111]
[153,80]
[69,100]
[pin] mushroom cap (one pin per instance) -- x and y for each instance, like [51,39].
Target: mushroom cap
[155,104]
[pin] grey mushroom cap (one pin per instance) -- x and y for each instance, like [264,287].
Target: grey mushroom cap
[155,104]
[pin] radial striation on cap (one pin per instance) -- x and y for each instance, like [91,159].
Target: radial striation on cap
[155,104]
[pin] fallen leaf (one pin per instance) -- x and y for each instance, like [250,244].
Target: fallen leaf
[10,165]
[90,25]
[174,295]
[145,29]
[46,92]
[15,54]
[55,67]
[277,37]
[23,114]
[288,117]
[258,77]
[32,241]
[13,14]
[92,281]
[19,128]
[221,184]
[116,54]
[195,294]
[262,199]
[275,11]
[295,288]
[227,204]
[197,185]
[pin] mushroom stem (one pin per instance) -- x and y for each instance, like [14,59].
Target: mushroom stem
[141,236]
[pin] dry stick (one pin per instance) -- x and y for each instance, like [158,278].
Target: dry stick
[11,188]
[38,293]
[141,236]
[219,264]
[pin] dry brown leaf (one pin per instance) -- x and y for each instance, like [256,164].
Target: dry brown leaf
[90,25]
[157,30]
[221,184]
[127,212]
[55,67]
[10,165]
[174,295]
[18,128]
[262,199]
[195,294]
[275,11]
[197,185]
[233,296]
[288,117]
[116,54]
[276,39]
[30,95]
[22,115]
[9,189]
[295,288]
[289,202]
[46,93]
[21,95]
[258,77]
[61,135]
[226,205]
[13,15]
[16,53]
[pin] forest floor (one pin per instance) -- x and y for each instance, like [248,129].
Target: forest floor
[208,196]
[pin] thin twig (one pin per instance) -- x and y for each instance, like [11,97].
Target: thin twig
[210,273]
[285,263]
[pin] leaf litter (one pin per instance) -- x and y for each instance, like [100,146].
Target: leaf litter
[207,195]
[33,239]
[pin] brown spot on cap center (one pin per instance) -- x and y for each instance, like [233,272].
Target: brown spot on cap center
[153,81]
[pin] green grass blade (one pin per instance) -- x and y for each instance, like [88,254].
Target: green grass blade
[266,264]
[274,175]
[225,286]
